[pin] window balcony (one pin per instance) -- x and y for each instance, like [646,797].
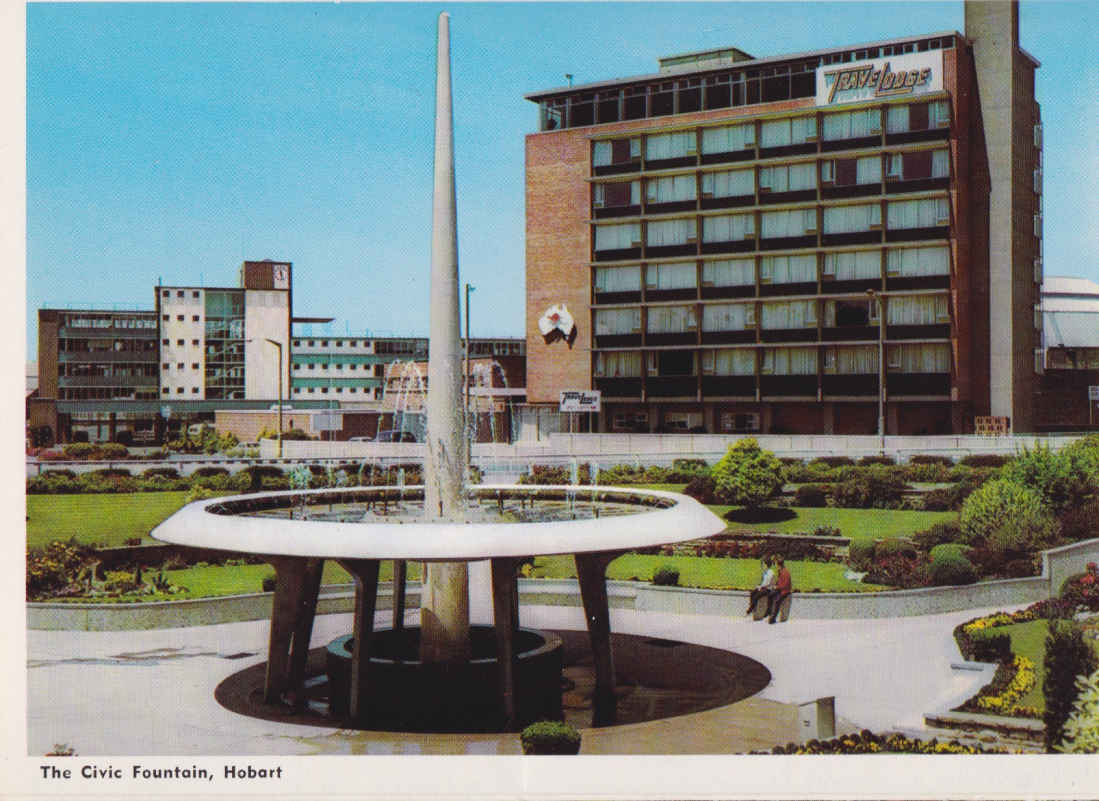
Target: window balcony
[788,385]
[788,335]
[927,135]
[832,145]
[788,150]
[851,190]
[618,254]
[619,387]
[918,282]
[918,384]
[741,291]
[677,338]
[895,186]
[617,340]
[849,333]
[669,207]
[730,202]
[618,169]
[658,251]
[787,197]
[743,386]
[617,211]
[852,238]
[789,242]
[733,246]
[653,295]
[618,297]
[729,156]
[802,288]
[933,331]
[850,385]
[666,164]
[830,286]
[671,386]
[917,234]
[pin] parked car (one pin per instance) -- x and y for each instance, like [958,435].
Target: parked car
[396,436]
[361,439]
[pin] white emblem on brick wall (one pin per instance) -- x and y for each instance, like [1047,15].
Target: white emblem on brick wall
[557,323]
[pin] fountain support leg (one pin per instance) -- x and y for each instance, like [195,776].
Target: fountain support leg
[591,570]
[400,576]
[297,585]
[365,574]
[505,607]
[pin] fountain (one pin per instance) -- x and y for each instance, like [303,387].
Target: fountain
[444,675]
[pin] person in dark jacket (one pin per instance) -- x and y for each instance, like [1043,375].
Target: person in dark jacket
[784,585]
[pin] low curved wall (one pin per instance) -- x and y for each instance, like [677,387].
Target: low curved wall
[1057,565]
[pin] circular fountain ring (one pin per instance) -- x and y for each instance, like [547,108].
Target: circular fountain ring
[237,523]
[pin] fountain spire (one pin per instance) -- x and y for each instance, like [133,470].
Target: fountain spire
[445,603]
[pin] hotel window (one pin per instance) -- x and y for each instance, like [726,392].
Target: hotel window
[922,164]
[728,138]
[859,265]
[167,317]
[165,294]
[671,319]
[664,233]
[728,228]
[852,219]
[672,189]
[297,366]
[616,151]
[179,293]
[671,363]
[791,223]
[794,131]
[729,183]
[851,124]
[851,313]
[616,322]
[731,272]
[670,145]
[788,361]
[728,316]
[907,262]
[179,318]
[729,361]
[179,390]
[788,178]
[165,366]
[788,314]
[194,390]
[618,237]
[194,365]
[670,276]
[788,269]
[914,358]
[194,342]
[851,172]
[917,310]
[194,294]
[179,343]
[616,195]
[164,342]
[926,213]
[917,117]
[618,364]
[851,360]
[618,279]
[1037,317]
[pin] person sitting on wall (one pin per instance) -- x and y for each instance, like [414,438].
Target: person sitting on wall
[764,588]
[784,585]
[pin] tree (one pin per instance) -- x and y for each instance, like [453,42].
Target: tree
[1007,517]
[747,475]
[1060,477]
[1068,655]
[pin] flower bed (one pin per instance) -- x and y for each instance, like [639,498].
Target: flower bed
[867,742]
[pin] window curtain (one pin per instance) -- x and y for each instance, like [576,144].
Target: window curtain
[789,269]
[851,124]
[938,114]
[670,189]
[601,154]
[788,178]
[671,319]
[618,279]
[670,232]
[669,145]
[728,138]
[729,183]
[917,310]
[927,213]
[940,163]
[617,237]
[856,360]
[725,316]
[789,361]
[779,224]
[727,227]
[777,133]
[789,314]
[868,170]
[896,119]
[849,219]
[670,276]
[729,361]
[928,358]
[617,194]
[732,272]
[617,321]
[853,266]
[918,261]
[618,364]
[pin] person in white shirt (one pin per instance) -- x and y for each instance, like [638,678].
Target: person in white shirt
[766,585]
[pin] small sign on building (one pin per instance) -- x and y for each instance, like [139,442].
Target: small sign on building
[328,421]
[576,400]
[1093,393]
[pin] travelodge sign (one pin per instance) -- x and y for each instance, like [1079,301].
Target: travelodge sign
[855,81]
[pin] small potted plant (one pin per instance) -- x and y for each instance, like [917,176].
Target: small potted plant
[550,737]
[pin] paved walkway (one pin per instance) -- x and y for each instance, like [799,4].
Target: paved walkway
[152,692]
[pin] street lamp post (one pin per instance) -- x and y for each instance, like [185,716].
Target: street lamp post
[877,297]
[278,345]
[469,434]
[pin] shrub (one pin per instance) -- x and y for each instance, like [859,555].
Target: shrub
[747,475]
[1055,475]
[1082,591]
[1007,517]
[1080,522]
[860,553]
[827,531]
[701,488]
[1080,732]
[258,473]
[883,460]
[949,566]
[268,583]
[896,570]
[53,482]
[160,472]
[896,547]
[938,534]
[985,460]
[986,646]
[550,737]
[875,490]
[944,499]
[666,576]
[1084,456]
[923,458]
[1068,655]
[210,472]
[926,473]
[55,567]
[812,495]
[78,450]
[833,461]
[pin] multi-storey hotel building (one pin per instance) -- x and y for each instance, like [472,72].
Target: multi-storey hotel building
[840,241]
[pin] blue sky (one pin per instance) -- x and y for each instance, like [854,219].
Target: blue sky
[172,141]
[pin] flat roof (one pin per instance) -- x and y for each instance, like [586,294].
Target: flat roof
[687,69]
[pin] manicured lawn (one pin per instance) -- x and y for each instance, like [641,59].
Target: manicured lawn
[1029,640]
[110,519]
[858,524]
[709,572]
